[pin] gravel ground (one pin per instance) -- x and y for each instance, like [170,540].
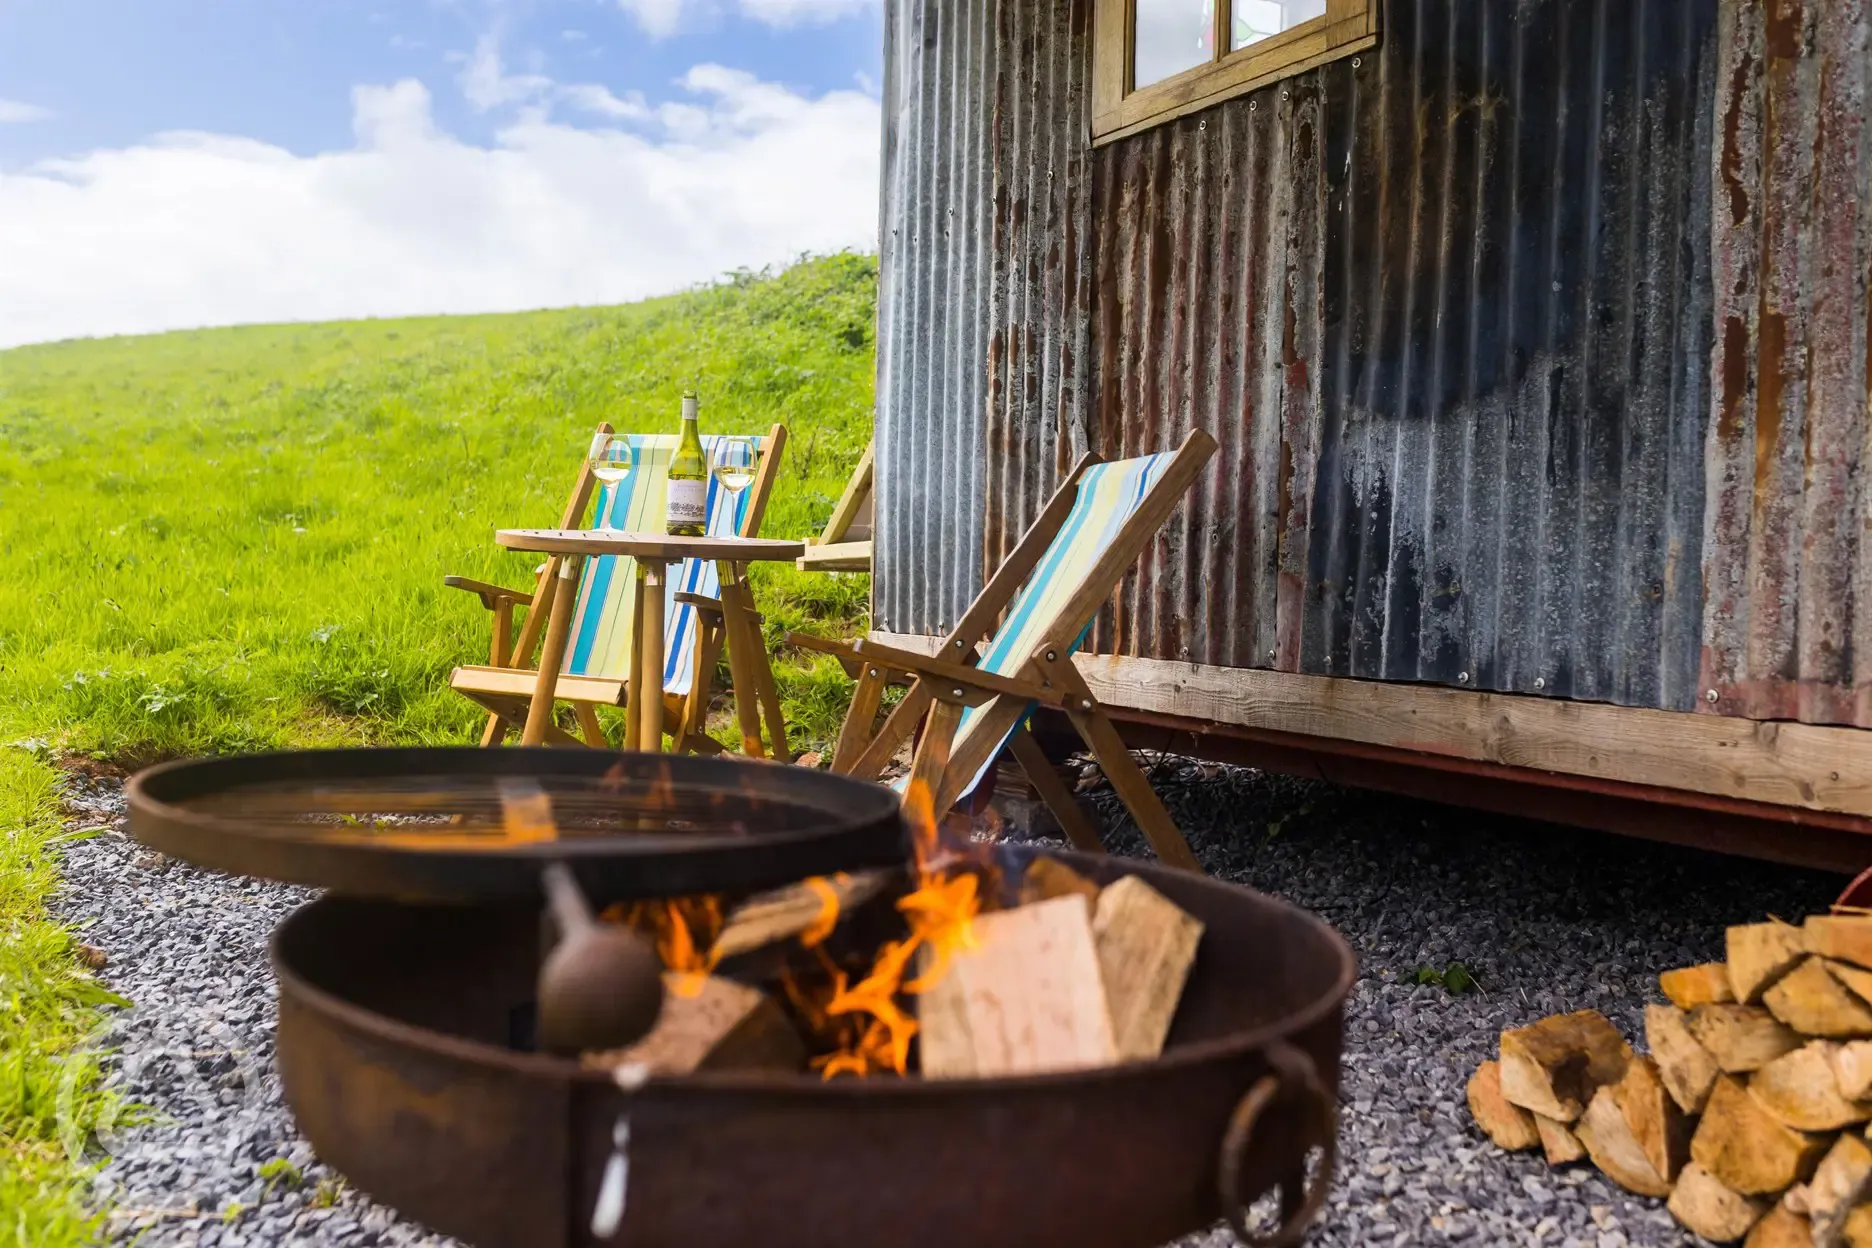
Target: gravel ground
[1547,919]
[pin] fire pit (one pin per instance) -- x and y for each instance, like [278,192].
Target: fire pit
[407,1026]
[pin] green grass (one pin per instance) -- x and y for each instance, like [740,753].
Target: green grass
[235,539]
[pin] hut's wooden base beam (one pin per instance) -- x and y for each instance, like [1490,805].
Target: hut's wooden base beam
[1816,776]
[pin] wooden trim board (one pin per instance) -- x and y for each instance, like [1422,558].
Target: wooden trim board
[1809,766]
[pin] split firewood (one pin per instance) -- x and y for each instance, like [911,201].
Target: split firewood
[1856,978]
[716,1024]
[1852,1069]
[1800,1090]
[1839,1183]
[1558,1143]
[1686,1067]
[1692,986]
[1780,1227]
[1741,1037]
[1811,1001]
[1553,1066]
[1508,1125]
[1843,937]
[786,912]
[1047,878]
[1614,1149]
[1146,946]
[1746,1148]
[1703,1204]
[1028,997]
[1659,1127]
[1759,954]
[1856,1231]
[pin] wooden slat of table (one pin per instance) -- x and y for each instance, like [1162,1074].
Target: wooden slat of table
[656,546]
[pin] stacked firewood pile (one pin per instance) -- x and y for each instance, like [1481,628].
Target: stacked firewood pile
[1749,1112]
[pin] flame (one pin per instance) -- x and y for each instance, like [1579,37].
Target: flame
[674,924]
[827,918]
[940,913]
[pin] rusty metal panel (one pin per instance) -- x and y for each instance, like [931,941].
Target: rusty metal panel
[1787,559]
[940,63]
[1525,336]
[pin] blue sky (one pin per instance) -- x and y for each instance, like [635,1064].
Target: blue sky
[119,119]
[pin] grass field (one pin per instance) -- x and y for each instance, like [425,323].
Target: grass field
[235,539]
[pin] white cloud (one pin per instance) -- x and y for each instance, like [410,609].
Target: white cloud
[659,18]
[662,18]
[487,85]
[207,229]
[803,12]
[12,111]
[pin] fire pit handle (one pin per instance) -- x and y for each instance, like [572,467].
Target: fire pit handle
[1294,1074]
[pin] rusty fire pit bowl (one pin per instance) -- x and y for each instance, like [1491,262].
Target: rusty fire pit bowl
[464,824]
[401,1041]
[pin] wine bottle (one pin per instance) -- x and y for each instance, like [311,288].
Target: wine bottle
[688,478]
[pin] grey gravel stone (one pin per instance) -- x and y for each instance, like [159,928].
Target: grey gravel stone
[1547,919]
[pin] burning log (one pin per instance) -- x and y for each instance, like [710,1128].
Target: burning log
[1047,878]
[1746,1148]
[1759,954]
[795,910]
[1028,997]
[1146,946]
[1811,1000]
[1741,1038]
[711,1023]
[1553,1066]
[1800,1089]
[1688,1070]
[1507,1124]
[1702,1203]
[1692,986]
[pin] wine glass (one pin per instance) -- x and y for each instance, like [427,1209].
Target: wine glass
[735,462]
[612,459]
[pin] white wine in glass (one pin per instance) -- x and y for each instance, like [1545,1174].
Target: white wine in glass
[611,457]
[735,463]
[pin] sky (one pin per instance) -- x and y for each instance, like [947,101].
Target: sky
[171,164]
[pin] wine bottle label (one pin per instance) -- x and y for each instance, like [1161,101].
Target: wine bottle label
[688,502]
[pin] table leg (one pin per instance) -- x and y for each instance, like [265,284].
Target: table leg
[552,653]
[741,660]
[633,722]
[649,692]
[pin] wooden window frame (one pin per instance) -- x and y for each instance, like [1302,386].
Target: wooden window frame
[1118,109]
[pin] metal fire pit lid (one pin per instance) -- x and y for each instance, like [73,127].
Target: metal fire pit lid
[465,823]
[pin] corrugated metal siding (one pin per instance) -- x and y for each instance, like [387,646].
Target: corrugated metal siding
[940,61]
[1450,311]
[1787,556]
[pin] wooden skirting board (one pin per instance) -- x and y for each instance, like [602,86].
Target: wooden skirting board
[1808,766]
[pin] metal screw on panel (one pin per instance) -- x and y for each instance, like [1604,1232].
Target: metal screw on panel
[1712,695]
[956,692]
[1052,656]
[1251,106]
[873,673]
[1540,682]
[1356,62]
[1462,678]
[1270,656]
[1085,704]
[959,644]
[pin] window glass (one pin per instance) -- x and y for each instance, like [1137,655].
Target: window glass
[1255,20]
[1172,36]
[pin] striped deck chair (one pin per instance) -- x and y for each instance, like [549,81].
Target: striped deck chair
[596,670]
[1065,568]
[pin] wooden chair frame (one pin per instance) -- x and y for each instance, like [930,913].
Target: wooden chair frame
[507,706]
[943,685]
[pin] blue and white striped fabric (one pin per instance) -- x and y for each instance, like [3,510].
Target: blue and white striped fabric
[1109,494]
[600,644]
